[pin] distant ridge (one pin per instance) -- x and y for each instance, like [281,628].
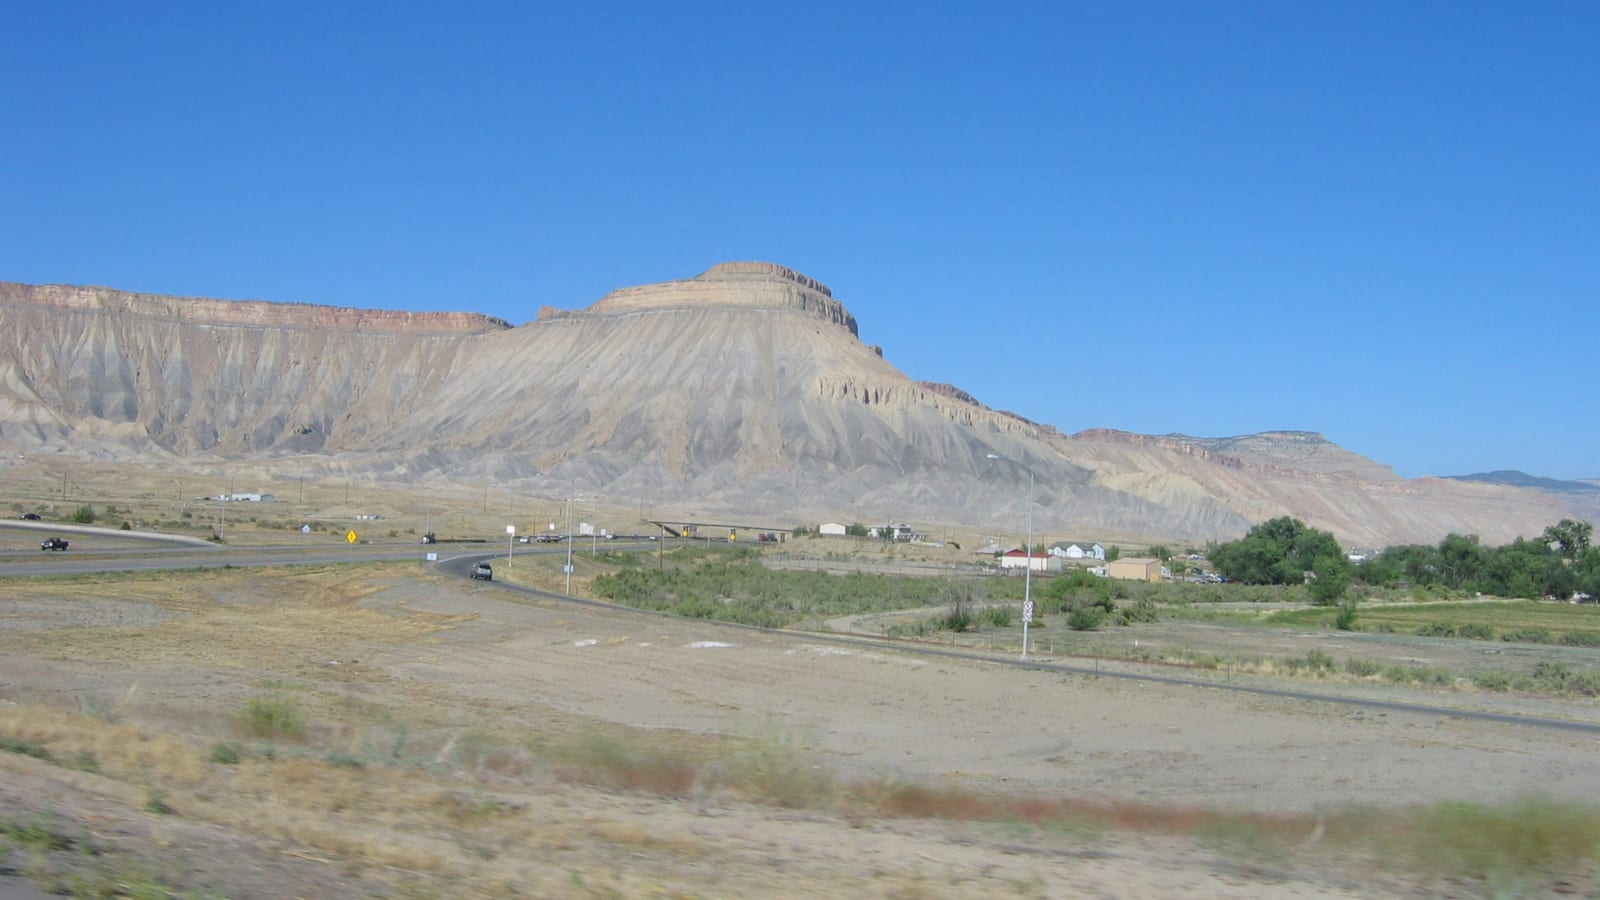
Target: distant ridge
[1514,478]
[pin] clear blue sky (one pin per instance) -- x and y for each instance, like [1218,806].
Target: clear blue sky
[1380,221]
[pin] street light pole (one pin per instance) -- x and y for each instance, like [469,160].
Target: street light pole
[1027,577]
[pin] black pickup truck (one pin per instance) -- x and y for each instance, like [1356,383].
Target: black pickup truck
[54,543]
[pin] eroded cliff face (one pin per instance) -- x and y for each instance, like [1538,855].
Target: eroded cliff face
[242,313]
[192,375]
[743,389]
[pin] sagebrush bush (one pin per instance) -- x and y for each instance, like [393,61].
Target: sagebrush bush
[271,717]
[1141,610]
[1553,676]
[1491,681]
[1087,618]
[1362,668]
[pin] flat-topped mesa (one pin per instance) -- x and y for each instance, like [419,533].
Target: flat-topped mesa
[245,313]
[746,284]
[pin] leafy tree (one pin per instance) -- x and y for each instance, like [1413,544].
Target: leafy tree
[856,530]
[1332,579]
[1523,568]
[801,531]
[1461,559]
[1113,553]
[1589,572]
[1278,551]
[1570,536]
[1159,551]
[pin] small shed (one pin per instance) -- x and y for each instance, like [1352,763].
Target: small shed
[1135,568]
[831,529]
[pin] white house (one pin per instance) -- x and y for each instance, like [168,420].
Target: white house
[1078,550]
[833,529]
[899,532]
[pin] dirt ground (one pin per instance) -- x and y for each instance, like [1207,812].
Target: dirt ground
[439,712]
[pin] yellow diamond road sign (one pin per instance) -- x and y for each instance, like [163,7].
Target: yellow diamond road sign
[350,536]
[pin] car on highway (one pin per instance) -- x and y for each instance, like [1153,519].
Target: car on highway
[53,543]
[483,571]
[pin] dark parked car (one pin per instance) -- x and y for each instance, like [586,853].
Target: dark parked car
[29,517]
[483,571]
[429,538]
[54,543]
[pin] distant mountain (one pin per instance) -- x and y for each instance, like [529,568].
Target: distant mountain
[1581,497]
[1522,479]
[743,390]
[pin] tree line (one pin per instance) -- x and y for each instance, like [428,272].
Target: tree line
[1559,563]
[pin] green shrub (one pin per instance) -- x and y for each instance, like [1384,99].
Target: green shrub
[1345,618]
[1491,681]
[1552,676]
[228,753]
[1087,618]
[1437,629]
[1315,661]
[1581,639]
[1528,636]
[341,760]
[999,616]
[271,717]
[1142,610]
[83,515]
[956,620]
[1476,631]
[1362,668]
[1585,683]
[26,748]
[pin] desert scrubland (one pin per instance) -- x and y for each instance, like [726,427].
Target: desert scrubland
[384,730]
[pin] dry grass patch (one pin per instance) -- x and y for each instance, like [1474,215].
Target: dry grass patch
[118,750]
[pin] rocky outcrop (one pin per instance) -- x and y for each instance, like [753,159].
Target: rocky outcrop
[949,390]
[738,284]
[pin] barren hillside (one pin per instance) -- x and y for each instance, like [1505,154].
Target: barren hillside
[745,389]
